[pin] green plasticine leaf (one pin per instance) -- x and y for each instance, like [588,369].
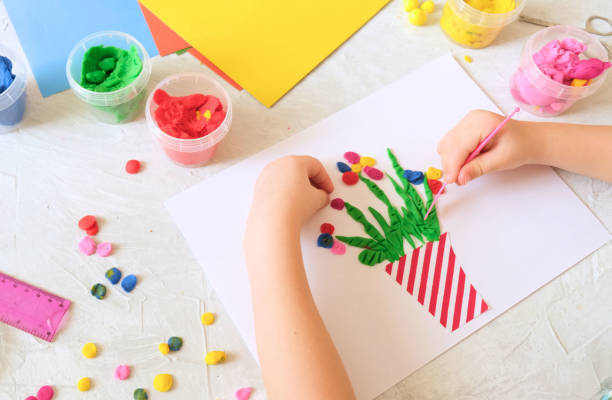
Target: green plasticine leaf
[358,241]
[378,192]
[372,257]
[409,191]
[432,224]
[393,243]
[358,216]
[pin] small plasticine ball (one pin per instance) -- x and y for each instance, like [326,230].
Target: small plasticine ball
[410,5]
[98,291]
[428,6]
[45,393]
[356,168]
[129,282]
[367,161]
[350,178]
[414,177]
[337,203]
[163,382]
[163,348]
[373,173]
[175,343]
[435,186]
[140,394]
[417,17]
[113,275]
[325,240]
[207,318]
[352,157]
[84,384]
[327,228]
[132,167]
[214,357]
[342,167]
[433,173]
[89,350]
[87,222]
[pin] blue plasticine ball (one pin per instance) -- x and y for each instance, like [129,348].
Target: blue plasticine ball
[98,291]
[414,177]
[113,275]
[128,283]
[342,167]
[175,343]
[325,240]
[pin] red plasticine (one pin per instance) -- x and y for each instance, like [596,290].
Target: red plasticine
[435,186]
[93,231]
[87,222]
[327,228]
[350,178]
[187,117]
[337,203]
[132,167]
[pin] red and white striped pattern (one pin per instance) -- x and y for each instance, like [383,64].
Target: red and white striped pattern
[432,274]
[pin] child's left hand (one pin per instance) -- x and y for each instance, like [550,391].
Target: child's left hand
[287,193]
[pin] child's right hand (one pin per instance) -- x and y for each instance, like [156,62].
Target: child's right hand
[513,146]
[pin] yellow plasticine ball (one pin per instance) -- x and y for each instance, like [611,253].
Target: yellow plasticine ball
[417,17]
[164,348]
[207,114]
[89,350]
[163,382]
[214,357]
[208,318]
[367,161]
[467,59]
[410,5]
[428,6]
[84,384]
[433,173]
[356,168]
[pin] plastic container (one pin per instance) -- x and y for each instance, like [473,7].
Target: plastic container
[538,93]
[190,152]
[13,99]
[469,27]
[118,106]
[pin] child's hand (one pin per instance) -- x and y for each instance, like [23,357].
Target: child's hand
[512,147]
[287,193]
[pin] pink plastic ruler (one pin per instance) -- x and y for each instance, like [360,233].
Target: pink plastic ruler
[31,309]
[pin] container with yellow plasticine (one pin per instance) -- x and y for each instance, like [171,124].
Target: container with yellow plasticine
[476,23]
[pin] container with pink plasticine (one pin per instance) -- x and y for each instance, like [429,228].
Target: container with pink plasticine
[539,94]
[197,151]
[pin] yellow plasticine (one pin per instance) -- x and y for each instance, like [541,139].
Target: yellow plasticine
[164,348]
[579,82]
[467,59]
[410,5]
[214,357]
[367,161]
[163,382]
[198,117]
[470,35]
[207,114]
[433,173]
[417,17]
[356,168]
[428,6]
[89,350]
[84,384]
[207,318]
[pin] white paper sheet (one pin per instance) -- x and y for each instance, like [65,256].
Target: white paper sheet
[512,231]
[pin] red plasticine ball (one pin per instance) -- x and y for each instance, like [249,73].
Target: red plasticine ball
[350,178]
[337,203]
[93,231]
[327,228]
[132,167]
[435,186]
[87,222]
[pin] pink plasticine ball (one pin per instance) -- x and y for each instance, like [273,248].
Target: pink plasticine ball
[122,372]
[87,246]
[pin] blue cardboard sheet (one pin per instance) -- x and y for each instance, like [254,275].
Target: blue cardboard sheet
[49,29]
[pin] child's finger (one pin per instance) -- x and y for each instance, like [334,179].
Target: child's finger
[483,164]
[317,174]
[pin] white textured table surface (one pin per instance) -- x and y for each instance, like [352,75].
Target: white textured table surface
[61,165]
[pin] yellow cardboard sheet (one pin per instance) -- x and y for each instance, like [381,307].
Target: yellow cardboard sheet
[267,46]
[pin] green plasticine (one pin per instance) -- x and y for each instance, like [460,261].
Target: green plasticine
[109,68]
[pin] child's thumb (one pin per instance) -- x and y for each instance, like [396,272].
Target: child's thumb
[482,164]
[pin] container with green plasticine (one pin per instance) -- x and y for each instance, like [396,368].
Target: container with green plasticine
[109,71]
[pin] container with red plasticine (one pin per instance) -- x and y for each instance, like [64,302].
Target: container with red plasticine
[189,152]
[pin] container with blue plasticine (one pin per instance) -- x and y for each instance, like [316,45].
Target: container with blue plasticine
[12,90]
